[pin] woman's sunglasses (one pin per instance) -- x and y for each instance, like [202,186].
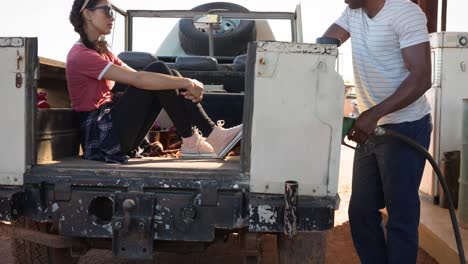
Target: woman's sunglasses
[107,10]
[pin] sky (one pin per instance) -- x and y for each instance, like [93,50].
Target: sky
[48,20]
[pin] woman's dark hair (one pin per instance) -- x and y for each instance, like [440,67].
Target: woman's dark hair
[76,19]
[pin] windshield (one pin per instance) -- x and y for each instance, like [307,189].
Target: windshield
[174,36]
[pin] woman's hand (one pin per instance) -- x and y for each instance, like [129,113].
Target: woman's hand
[194,91]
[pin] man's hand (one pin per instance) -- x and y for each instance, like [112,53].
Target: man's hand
[335,31]
[364,126]
[194,91]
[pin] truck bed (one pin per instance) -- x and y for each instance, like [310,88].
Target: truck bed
[148,167]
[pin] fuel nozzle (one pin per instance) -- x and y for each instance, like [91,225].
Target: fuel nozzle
[348,123]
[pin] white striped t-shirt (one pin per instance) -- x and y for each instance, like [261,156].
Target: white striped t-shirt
[378,63]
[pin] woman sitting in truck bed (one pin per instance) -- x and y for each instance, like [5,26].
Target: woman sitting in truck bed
[112,127]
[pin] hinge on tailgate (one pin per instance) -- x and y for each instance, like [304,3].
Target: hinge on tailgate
[19,77]
[133,232]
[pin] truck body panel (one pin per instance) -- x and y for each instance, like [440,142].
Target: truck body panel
[296,119]
[18,58]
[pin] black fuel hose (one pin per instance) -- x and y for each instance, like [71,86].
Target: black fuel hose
[379,131]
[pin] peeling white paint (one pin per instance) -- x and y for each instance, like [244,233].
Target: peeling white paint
[55,207]
[299,48]
[236,186]
[197,199]
[11,42]
[166,186]
[266,214]
[168,227]
[108,227]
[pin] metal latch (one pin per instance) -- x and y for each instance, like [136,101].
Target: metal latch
[133,232]
[19,77]
[209,193]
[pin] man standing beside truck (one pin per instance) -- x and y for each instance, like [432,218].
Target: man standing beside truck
[392,68]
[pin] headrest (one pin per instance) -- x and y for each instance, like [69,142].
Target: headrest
[239,62]
[136,59]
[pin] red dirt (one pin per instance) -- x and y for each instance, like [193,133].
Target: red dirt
[340,248]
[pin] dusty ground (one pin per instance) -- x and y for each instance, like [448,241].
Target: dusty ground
[340,249]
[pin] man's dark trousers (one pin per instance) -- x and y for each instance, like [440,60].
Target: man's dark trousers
[387,173]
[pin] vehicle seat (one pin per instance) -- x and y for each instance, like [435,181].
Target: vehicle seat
[239,63]
[136,59]
[196,63]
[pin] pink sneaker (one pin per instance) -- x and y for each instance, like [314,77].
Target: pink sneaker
[196,147]
[223,140]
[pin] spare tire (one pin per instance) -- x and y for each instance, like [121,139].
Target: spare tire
[232,42]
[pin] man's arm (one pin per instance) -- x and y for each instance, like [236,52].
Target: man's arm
[418,61]
[335,31]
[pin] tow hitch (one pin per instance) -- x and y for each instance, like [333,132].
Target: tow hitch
[133,231]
